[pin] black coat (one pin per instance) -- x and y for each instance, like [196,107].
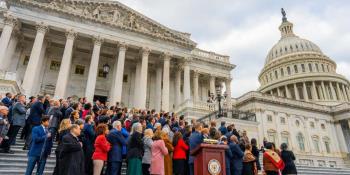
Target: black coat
[256,153]
[55,115]
[288,159]
[135,146]
[71,157]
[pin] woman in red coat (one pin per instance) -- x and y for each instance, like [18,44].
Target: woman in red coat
[179,155]
[102,147]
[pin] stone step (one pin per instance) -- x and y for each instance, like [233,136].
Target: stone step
[20,171]
[15,159]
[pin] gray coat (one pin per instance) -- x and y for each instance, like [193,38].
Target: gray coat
[19,114]
[147,155]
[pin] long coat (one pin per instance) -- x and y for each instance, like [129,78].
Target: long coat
[71,158]
[117,140]
[288,159]
[157,159]
[36,112]
[168,163]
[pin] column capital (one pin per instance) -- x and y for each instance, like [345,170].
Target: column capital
[195,73]
[98,40]
[10,20]
[71,34]
[166,56]
[228,79]
[187,60]
[123,46]
[145,51]
[42,27]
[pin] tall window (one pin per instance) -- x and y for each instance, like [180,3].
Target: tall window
[322,67]
[303,67]
[79,69]
[269,118]
[300,139]
[310,67]
[285,138]
[317,69]
[282,72]
[316,143]
[55,65]
[26,60]
[283,120]
[276,74]
[272,136]
[288,70]
[295,68]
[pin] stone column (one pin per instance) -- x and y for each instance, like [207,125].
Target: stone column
[306,96]
[347,90]
[11,48]
[340,137]
[137,83]
[287,91]
[34,60]
[279,92]
[64,73]
[178,86]
[10,23]
[143,79]
[340,94]
[212,85]
[158,88]
[187,81]
[166,82]
[314,91]
[228,90]
[296,92]
[325,97]
[195,85]
[93,69]
[118,76]
[346,93]
[333,91]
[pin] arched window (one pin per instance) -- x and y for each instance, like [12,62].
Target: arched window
[316,143]
[282,72]
[322,67]
[323,126]
[310,67]
[267,78]
[297,123]
[326,142]
[317,69]
[327,67]
[295,68]
[288,70]
[300,139]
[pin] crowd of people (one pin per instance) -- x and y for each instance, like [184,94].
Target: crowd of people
[94,139]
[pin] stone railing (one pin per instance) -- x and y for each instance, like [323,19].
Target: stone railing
[202,106]
[211,55]
[281,100]
[11,76]
[232,114]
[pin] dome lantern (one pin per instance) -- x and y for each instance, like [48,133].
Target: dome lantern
[286,27]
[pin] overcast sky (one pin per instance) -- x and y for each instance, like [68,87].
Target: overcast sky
[246,30]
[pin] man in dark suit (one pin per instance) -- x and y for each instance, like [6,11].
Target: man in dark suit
[39,151]
[195,140]
[237,157]
[34,118]
[117,140]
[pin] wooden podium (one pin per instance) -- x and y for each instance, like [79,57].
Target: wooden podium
[210,159]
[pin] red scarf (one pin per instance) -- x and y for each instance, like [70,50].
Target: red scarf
[275,159]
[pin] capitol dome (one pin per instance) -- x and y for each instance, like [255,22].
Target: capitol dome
[296,68]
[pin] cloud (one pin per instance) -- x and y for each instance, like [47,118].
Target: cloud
[246,30]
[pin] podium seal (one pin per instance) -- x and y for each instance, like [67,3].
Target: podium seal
[214,167]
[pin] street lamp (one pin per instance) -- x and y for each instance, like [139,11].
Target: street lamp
[219,97]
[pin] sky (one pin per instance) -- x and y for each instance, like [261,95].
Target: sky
[246,30]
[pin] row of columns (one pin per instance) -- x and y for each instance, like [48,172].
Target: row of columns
[163,75]
[340,91]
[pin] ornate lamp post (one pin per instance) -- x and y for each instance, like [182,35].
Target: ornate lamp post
[219,97]
[106,68]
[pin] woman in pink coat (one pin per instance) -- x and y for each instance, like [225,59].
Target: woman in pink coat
[158,152]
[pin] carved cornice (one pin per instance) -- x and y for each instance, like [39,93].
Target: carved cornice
[111,13]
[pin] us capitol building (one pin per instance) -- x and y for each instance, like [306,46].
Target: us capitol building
[105,50]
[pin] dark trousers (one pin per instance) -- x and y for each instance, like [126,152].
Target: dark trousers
[29,136]
[145,169]
[191,166]
[271,172]
[35,160]
[12,133]
[24,132]
[114,168]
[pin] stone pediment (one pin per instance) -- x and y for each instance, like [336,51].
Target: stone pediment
[114,14]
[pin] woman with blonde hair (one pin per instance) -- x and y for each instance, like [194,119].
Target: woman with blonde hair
[159,150]
[63,130]
[147,155]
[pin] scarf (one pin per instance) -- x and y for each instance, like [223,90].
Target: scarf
[274,158]
[248,156]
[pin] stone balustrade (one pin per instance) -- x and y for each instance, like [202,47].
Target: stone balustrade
[211,55]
